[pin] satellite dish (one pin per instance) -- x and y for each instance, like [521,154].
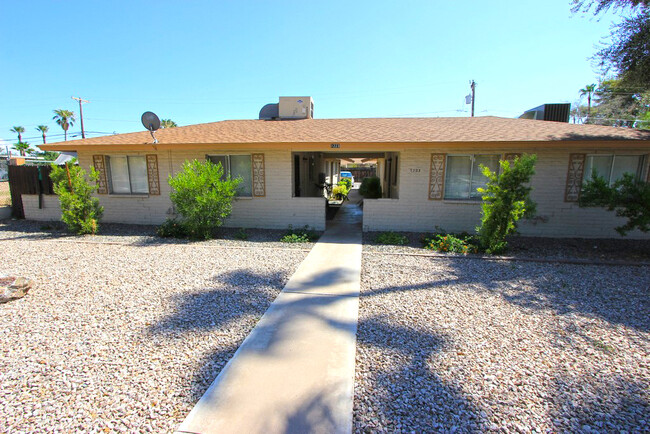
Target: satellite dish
[152,123]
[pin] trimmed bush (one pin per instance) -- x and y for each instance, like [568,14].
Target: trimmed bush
[506,199]
[79,210]
[202,197]
[370,188]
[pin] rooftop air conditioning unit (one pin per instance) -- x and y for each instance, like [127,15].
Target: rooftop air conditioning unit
[296,107]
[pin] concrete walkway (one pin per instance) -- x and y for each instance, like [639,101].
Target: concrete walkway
[295,371]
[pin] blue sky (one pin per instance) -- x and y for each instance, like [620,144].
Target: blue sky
[204,61]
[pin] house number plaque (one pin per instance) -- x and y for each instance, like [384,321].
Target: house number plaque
[415,170]
[335,145]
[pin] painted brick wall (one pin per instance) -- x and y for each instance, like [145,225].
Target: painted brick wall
[411,212]
[50,211]
[277,210]
[556,218]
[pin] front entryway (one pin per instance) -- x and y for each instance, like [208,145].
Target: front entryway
[350,213]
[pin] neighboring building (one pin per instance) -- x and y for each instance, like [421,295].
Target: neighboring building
[428,168]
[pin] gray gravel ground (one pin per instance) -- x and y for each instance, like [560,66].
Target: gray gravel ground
[475,345]
[124,337]
[142,235]
[620,249]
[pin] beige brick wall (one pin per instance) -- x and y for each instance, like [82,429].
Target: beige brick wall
[556,218]
[275,211]
[413,211]
[50,211]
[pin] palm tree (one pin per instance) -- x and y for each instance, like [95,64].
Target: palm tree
[168,123]
[588,90]
[65,119]
[43,129]
[22,147]
[19,131]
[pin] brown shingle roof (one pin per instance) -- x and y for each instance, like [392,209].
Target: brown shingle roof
[371,130]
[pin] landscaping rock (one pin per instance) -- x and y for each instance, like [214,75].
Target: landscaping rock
[14,289]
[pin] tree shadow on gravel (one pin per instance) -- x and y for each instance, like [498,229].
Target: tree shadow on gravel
[238,294]
[589,290]
[234,294]
[407,395]
[612,404]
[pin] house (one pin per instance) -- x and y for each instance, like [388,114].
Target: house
[429,169]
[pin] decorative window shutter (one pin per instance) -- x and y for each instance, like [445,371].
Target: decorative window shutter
[511,156]
[100,167]
[152,174]
[259,180]
[437,177]
[574,177]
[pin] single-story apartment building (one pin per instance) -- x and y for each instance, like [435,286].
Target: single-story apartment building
[429,169]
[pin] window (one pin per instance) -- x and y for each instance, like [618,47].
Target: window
[464,175]
[127,175]
[612,167]
[237,166]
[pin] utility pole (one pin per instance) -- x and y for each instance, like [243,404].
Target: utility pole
[472,84]
[81,115]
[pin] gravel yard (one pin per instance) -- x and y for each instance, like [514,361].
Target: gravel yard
[621,249]
[476,345]
[123,332]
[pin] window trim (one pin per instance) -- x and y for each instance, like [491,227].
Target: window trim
[109,175]
[227,159]
[471,177]
[639,170]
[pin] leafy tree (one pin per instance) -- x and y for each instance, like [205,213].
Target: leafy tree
[18,130]
[22,147]
[49,155]
[506,199]
[80,211]
[627,196]
[65,119]
[43,129]
[588,90]
[628,54]
[167,123]
[203,197]
[616,105]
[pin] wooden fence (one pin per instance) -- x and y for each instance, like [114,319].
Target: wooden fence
[360,173]
[28,180]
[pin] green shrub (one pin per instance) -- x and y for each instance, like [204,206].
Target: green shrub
[370,188]
[391,238]
[202,197]
[629,197]
[79,210]
[462,243]
[241,234]
[340,192]
[505,201]
[347,182]
[171,228]
[303,235]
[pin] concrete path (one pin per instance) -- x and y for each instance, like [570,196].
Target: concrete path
[295,372]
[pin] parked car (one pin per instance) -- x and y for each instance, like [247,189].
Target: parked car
[345,174]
